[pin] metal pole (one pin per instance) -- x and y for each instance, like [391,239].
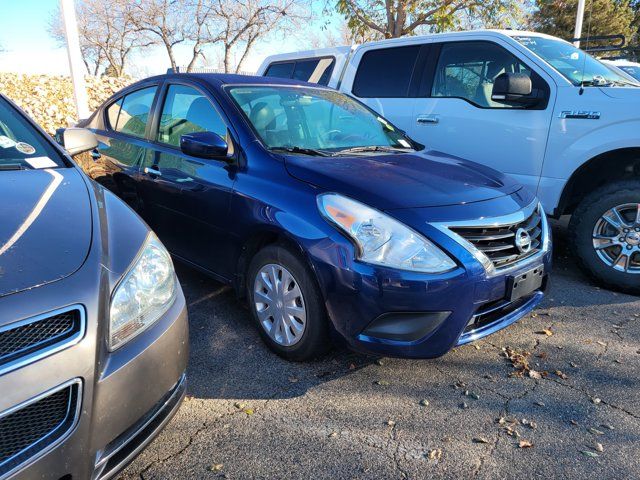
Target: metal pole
[579,19]
[75,58]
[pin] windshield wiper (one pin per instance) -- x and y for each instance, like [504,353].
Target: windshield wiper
[12,166]
[304,151]
[373,148]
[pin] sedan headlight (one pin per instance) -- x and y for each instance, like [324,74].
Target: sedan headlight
[144,293]
[382,240]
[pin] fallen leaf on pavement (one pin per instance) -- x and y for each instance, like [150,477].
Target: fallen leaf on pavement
[480,440]
[248,411]
[545,331]
[534,374]
[525,444]
[595,431]
[382,383]
[435,454]
[589,453]
[562,375]
[596,400]
[424,403]
[216,468]
[599,447]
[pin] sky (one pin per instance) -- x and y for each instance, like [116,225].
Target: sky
[28,48]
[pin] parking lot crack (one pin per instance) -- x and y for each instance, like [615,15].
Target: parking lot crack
[159,461]
[591,396]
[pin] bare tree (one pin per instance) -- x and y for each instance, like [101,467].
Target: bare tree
[200,31]
[107,35]
[240,24]
[163,21]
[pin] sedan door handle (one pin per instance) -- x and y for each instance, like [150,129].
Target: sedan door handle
[152,171]
[428,119]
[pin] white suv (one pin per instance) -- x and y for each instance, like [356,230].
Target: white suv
[527,104]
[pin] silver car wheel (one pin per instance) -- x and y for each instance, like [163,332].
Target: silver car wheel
[616,238]
[279,304]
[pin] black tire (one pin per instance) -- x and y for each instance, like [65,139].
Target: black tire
[314,341]
[581,228]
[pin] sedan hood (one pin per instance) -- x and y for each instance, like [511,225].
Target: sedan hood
[45,227]
[387,182]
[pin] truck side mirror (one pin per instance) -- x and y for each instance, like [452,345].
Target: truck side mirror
[514,88]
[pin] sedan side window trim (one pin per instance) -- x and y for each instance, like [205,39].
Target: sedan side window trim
[112,131]
[159,106]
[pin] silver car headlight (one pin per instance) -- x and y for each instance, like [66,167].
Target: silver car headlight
[146,292]
[382,240]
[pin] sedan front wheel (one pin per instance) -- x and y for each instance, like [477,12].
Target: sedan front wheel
[286,304]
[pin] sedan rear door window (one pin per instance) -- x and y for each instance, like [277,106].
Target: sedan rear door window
[134,114]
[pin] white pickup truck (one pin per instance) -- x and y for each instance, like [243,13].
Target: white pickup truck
[524,103]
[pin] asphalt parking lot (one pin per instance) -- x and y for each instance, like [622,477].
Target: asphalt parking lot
[555,395]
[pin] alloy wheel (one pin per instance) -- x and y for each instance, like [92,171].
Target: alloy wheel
[616,238]
[279,304]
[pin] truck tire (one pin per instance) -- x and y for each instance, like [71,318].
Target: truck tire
[286,304]
[605,234]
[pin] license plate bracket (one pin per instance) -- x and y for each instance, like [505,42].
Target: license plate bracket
[521,285]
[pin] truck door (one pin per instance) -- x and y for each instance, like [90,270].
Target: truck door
[454,112]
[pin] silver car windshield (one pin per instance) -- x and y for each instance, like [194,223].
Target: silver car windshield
[21,146]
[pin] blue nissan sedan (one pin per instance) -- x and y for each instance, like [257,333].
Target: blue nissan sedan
[325,217]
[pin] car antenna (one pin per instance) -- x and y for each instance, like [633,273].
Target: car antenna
[584,60]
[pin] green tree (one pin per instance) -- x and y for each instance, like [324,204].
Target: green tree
[601,17]
[635,6]
[395,18]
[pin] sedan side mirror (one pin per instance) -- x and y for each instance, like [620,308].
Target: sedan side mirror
[77,140]
[204,145]
[514,88]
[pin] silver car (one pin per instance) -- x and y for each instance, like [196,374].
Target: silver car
[93,323]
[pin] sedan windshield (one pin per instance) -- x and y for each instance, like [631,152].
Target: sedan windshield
[21,146]
[315,121]
[578,67]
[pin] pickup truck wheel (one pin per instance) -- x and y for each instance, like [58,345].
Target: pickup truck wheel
[285,302]
[605,233]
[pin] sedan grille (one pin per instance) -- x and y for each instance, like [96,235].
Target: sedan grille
[38,334]
[506,244]
[27,430]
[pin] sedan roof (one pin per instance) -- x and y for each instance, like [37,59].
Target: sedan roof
[220,79]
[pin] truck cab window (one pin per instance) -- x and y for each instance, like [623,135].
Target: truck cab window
[467,70]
